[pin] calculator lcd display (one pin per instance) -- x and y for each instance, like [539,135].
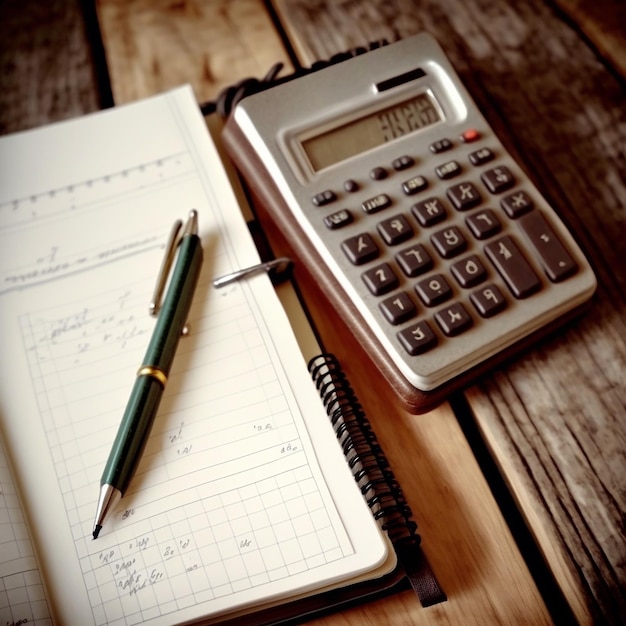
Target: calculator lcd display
[370,131]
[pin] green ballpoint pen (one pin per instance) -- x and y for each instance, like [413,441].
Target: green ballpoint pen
[152,375]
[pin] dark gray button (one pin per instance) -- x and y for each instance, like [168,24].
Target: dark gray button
[555,259]
[380,279]
[338,219]
[414,260]
[360,249]
[398,308]
[418,338]
[498,179]
[453,319]
[433,290]
[508,259]
[377,203]
[488,300]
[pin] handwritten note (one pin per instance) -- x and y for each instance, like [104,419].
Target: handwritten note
[230,504]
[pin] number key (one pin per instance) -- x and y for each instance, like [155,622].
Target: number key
[360,249]
[433,290]
[395,230]
[380,279]
[453,319]
[398,308]
[469,271]
[483,224]
[414,260]
[449,242]
[418,338]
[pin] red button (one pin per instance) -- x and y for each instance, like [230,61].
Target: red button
[470,135]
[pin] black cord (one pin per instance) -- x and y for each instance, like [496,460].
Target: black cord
[229,97]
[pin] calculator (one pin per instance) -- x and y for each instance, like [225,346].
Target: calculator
[383,173]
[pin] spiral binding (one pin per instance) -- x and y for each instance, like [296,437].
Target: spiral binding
[372,473]
[363,453]
[229,97]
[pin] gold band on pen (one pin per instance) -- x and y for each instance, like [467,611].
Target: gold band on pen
[155,372]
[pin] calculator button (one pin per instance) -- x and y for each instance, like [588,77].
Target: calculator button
[324,197]
[464,196]
[380,279]
[395,230]
[513,267]
[429,212]
[480,157]
[415,260]
[449,242]
[498,179]
[403,162]
[483,224]
[417,339]
[338,219]
[378,173]
[440,146]
[398,308]
[413,185]
[377,203]
[448,170]
[488,300]
[360,249]
[471,134]
[453,319]
[351,185]
[516,204]
[556,260]
[433,290]
[469,271]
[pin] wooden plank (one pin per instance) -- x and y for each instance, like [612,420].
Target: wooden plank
[604,23]
[555,419]
[45,64]
[154,45]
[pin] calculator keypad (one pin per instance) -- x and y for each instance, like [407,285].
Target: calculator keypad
[441,263]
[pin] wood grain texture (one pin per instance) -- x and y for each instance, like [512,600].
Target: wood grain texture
[46,69]
[155,45]
[604,23]
[556,418]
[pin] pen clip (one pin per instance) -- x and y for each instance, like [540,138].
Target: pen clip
[280,265]
[164,271]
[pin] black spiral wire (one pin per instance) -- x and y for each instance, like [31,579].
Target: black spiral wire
[362,450]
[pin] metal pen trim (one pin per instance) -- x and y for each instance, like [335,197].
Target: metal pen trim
[154,372]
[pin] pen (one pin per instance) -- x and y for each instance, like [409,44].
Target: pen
[152,376]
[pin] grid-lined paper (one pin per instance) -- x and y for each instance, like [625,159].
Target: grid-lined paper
[229,506]
[22,598]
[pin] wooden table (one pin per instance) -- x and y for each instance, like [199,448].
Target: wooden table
[538,445]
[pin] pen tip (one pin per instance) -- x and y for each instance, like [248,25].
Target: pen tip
[96,531]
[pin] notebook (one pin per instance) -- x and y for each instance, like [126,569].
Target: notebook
[262,494]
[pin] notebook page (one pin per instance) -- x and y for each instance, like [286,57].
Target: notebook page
[232,502]
[22,597]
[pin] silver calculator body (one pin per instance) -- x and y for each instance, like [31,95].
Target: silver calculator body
[433,232]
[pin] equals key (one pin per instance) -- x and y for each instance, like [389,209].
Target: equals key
[555,259]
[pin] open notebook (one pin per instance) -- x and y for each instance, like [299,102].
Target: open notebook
[243,498]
